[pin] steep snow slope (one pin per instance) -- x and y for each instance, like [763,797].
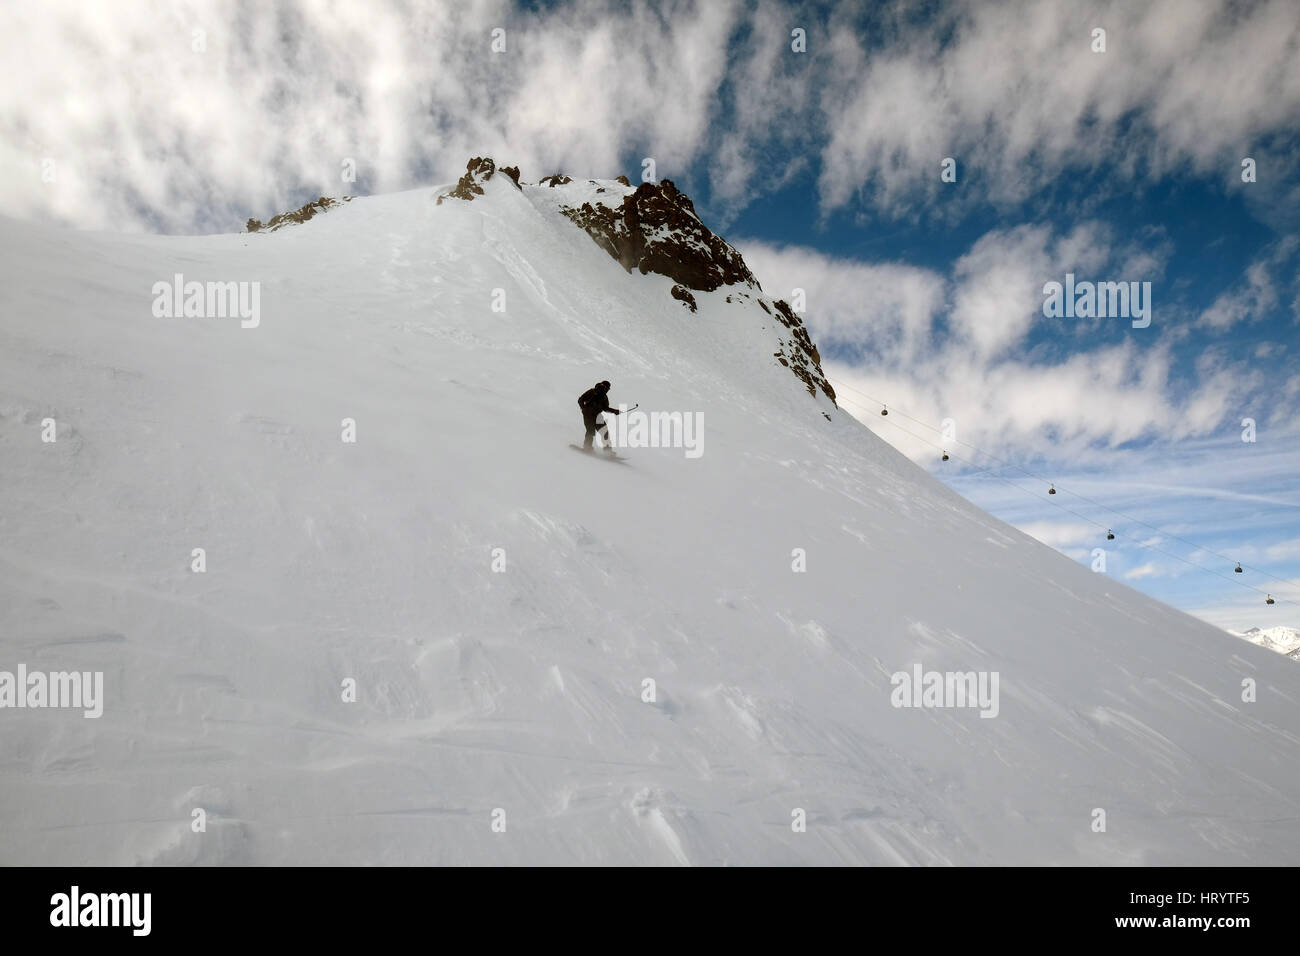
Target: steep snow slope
[522,689]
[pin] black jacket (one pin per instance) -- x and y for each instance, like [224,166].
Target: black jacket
[594,401]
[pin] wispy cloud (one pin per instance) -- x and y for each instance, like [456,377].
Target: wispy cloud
[1060,534]
[1180,86]
[1259,291]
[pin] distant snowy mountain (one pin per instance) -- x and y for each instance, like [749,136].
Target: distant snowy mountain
[1284,640]
[303,497]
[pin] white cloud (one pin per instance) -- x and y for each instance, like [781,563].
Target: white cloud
[999,288]
[1257,293]
[1251,298]
[1284,551]
[1142,571]
[1059,534]
[885,308]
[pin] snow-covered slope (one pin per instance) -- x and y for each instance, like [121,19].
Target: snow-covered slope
[1283,640]
[500,600]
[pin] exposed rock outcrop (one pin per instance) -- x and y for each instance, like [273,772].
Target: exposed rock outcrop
[655,229]
[799,354]
[299,215]
[478,171]
[684,294]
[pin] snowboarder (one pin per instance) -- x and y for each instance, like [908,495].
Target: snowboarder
[593,402]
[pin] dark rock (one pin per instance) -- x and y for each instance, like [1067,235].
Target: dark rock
[804,358]
[655,229]
[554,180]
[477,171]
[680,292]
[622,180]
[300,215]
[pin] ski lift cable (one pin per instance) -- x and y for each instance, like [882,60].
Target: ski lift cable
[1104,507]
[1095,523]
[1091,521]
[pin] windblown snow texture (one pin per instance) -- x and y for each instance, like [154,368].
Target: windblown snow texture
[501,603]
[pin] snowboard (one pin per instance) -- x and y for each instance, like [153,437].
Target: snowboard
[600,453]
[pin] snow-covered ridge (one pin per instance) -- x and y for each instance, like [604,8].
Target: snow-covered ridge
[1284,640]
[298,216]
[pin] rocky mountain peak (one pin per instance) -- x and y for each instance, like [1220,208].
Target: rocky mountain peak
[656,229]
[478,171]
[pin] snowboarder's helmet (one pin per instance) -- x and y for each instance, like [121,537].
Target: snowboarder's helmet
[603,385]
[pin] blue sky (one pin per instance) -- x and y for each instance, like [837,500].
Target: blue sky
[823,166]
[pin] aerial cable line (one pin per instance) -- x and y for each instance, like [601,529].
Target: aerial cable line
[1054,490]
[1110,533]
